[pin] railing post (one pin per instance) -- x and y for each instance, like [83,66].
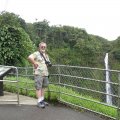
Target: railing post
[48,91]
[118,110]
[17,85]
[1,87]
[49,94]
[59,81]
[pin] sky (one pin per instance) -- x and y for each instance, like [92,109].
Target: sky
[97,17]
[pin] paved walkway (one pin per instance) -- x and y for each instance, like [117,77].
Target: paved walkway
[28,110]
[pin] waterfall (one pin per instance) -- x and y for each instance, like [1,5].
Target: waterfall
[108,86]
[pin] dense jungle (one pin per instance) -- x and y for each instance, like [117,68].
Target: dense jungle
[66,45]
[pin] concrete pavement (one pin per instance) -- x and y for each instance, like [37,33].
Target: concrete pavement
[13,97]
[28,110]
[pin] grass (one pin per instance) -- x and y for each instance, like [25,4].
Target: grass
[26,87]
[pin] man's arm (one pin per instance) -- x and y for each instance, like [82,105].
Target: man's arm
[31,60]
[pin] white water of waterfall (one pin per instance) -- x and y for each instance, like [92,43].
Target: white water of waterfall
[108,86]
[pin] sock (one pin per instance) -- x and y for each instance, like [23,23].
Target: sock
[40,99]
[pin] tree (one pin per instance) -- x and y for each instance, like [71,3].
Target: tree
[11,19]
[41,29]
[15,46]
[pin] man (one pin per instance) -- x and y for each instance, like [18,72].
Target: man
[39,59]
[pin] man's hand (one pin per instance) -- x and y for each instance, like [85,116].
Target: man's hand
[31,59]
[35,65]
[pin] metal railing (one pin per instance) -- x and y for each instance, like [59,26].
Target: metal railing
[81,87]
[9,81]
[91,85]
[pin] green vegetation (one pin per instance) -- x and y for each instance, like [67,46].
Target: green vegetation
[66,44]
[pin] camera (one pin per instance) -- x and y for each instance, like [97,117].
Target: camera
[48,63]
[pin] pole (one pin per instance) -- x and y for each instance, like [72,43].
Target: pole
[118,110]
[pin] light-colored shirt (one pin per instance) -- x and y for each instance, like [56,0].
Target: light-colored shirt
[42,67]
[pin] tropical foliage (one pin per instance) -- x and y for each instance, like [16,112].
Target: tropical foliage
[66,44]
[15,43]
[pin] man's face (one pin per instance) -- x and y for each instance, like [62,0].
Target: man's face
[42,48]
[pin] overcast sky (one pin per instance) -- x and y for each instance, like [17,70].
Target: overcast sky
[98,17]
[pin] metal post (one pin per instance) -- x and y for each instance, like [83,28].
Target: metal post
[118,110]
[59,81]
[49,94]
[1,87]
[18,100]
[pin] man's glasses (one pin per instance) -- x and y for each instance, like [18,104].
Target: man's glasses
[43,47]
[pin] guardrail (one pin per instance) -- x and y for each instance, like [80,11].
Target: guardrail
[81,87]
[92,87]
[6,74]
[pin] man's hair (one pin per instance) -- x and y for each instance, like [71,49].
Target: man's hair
[42,43]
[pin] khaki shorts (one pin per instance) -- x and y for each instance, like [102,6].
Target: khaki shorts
[41,82]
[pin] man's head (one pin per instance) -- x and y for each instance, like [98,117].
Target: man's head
[42,47]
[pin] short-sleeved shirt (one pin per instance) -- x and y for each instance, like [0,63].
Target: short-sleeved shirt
[42,69]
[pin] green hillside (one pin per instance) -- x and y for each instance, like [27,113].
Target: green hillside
[66,44]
